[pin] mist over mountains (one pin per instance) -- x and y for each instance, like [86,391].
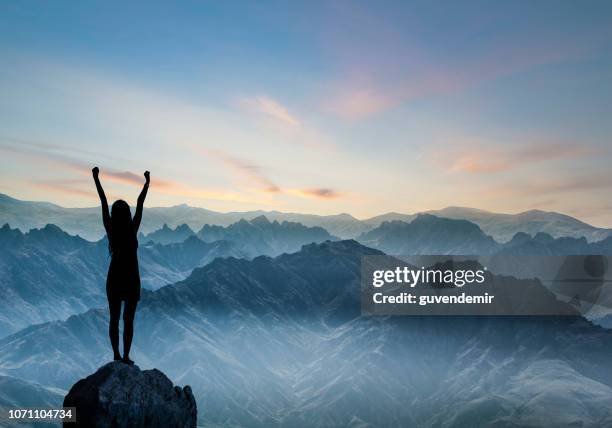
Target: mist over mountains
[280,341]
[86,221]
[48,274]
[429,234]
[258,236]
[502,227]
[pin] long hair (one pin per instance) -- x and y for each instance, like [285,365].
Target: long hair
[122,234]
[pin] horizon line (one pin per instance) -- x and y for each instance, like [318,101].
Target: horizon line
[329,215]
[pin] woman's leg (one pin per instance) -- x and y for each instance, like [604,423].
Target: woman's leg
[129,310]
[114,307]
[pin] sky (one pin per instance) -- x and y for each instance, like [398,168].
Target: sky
[314,107]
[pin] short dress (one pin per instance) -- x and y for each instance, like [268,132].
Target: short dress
[123,279]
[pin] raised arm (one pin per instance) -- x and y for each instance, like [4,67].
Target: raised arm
[141,199]
[105,214]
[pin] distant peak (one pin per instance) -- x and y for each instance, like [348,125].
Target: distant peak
[262,219]
[425,218]
[6,230]
[458,209]
[543,237]
[521,236]
[349,246]
[52,228]
[49,230]
[183,228]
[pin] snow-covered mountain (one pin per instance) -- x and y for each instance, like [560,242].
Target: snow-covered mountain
[502,227]
[86,221]
[281,342]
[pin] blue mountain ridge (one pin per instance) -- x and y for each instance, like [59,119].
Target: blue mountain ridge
[281,342]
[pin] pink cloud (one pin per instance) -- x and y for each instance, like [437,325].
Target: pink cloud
[47,155]
[490,158]
[64,186]
[321,193]
[272,109]
[250,170]
[368,87]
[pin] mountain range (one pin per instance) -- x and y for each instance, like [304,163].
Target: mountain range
[502,227]
[255,237]
[281,342]
[47,274]
[86,221]
[429,234]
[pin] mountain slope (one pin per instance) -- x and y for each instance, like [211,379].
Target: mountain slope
[47,274]
[281,342]
[428,234]
[259,236]
[167,235]
[503,227]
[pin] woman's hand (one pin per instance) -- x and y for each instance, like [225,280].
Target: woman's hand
[95,171]
[147,176]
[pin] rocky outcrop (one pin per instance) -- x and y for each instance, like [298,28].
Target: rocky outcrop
[120,395]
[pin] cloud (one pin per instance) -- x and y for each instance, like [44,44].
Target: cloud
[480,157]
[245,168]
[271,109]
[152,127]
[131,178]
[363,96]
[52,153]
[64,186]
[545,187]
[321,193]
[277,117]
[381,82]
[361,102]
[49,154]
[52,146]
[568,185]
[255,173]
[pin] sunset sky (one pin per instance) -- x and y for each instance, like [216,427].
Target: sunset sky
[315,107]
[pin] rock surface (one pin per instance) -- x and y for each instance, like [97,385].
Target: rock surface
[119,395]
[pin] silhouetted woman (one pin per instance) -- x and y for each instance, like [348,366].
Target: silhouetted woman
[123,279]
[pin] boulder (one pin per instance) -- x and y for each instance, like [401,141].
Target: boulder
[122,395]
